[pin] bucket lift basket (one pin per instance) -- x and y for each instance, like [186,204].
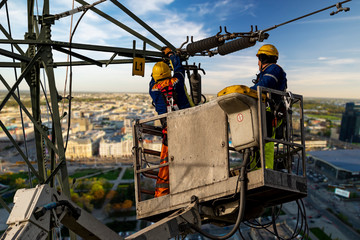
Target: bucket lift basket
[202,141]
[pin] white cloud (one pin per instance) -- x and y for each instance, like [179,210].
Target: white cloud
[323,82]
[17,16]
[337,61]
[233,69]
[343,61]
[221,8]
[201,9]
[175,30]
[141,7]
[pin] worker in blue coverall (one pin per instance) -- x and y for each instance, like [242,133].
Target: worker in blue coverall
[271,76]
[168,94]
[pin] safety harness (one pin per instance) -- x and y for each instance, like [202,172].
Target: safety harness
[167,89]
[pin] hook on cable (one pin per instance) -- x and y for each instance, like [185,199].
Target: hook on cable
[187,40]
[226,30]
[218,34]
[339,9]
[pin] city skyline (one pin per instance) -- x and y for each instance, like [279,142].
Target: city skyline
[317,52]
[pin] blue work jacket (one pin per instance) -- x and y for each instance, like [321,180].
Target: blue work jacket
[179,87]
[273,76]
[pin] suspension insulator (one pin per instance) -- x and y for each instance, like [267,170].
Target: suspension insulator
[195,81]
[204,44]
[235,45]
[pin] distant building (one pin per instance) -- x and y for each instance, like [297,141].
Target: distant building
[110,147]
[128,126]
[79,148]
[84,145]
[338,165]
[335,133]
[81,125]
[127,145]
[154,145]
[118,146]
[313,144]
[17,134]
[350,124]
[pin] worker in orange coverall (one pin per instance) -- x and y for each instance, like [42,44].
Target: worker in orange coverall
[168,94]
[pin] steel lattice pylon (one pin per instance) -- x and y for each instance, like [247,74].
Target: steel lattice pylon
[39,55]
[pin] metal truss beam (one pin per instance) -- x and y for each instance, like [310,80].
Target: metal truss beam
[14,55]
[87,59]
[82,63]
[121,25]
[36,124]
[143,24]
[98,48]
[21,77]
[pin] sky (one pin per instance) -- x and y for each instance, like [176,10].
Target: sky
[320,53]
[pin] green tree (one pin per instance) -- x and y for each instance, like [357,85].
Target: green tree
[20,183]
[97,190]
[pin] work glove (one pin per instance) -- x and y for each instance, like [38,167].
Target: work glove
[166,51]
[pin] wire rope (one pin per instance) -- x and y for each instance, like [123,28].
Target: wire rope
[68,57]
[70,83]
[19,96]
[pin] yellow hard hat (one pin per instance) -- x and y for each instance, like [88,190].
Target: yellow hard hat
[269,50]
[160,71]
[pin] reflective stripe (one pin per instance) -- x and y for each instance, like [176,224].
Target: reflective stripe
[270,75]
[162,185]
[165,160]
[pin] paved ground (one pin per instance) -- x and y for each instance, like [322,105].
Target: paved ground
[315,218]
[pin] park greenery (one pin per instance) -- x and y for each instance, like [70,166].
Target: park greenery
[129,174]
[320,234]
[89,189]
[14,180]
[92,192]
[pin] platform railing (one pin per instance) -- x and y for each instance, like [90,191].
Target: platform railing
[290,107]
[146,168]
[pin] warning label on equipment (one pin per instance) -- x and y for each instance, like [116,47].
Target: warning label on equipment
[240,117]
